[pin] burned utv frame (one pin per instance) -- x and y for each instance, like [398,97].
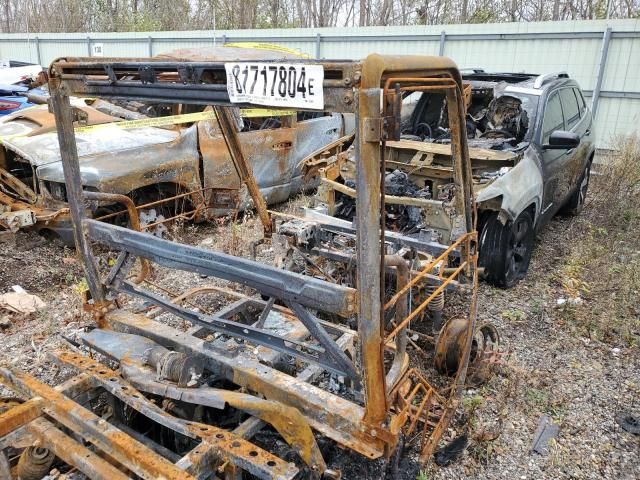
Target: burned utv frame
[173,394]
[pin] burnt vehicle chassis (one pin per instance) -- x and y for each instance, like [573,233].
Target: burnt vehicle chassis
[154,401]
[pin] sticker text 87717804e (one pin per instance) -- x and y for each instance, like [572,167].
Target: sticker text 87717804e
[276,84]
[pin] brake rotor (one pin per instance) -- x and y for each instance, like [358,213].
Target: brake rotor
[450,345]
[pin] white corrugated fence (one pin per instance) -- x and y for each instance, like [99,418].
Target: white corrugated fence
[603,55]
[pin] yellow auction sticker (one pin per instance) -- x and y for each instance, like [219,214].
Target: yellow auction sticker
[151,122]
[268,46]
[172,120]
[184,118]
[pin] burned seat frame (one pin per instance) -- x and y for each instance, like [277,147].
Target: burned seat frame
[154,358]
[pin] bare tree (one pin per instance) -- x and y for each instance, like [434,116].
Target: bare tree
[148,15]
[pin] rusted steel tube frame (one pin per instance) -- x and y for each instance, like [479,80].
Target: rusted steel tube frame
[431,443]
[154,203]
[63,113]
[402,278]
[424,304]
[453,88]
[230,136]
[373,69]
[456,136]
[145,266]
[369,205]
[81,388]
[47,435]
[227,445]
[464,200]
[427,88]
[417,80]
[73,453]
[463,177]
[20,415]
[425,271]
[109,439]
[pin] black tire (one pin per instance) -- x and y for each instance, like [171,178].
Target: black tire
[505,250]
[575,204]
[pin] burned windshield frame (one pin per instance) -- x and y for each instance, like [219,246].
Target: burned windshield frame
[530,104]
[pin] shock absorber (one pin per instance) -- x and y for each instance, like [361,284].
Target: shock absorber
[177,367]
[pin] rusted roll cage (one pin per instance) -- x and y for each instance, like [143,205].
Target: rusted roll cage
[292,404]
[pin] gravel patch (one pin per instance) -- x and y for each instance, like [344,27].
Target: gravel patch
[552,369]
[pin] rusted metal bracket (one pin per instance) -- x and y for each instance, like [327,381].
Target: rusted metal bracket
[382,128]
[327,356]
[230,135]
[132,454]
[373,129]
[26,193]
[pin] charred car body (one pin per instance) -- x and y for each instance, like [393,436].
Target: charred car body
[323,350]
[167,172]
[531,143]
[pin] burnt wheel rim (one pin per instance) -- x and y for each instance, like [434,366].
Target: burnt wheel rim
[519,248]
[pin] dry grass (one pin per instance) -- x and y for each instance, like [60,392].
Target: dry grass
[603,265]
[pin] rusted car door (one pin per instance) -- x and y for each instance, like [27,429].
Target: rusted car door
[267,147]
[274,147]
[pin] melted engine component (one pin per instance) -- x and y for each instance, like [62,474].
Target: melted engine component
[403,218]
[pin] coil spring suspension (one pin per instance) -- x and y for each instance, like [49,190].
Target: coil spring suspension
[436,306]
[34,463]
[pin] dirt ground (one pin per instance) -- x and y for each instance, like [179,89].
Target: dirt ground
[562,363]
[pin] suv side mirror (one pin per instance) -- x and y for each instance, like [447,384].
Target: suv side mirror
[562,140]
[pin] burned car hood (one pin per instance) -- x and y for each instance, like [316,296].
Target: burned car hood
[113,159]
[44,149]
[128,161]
